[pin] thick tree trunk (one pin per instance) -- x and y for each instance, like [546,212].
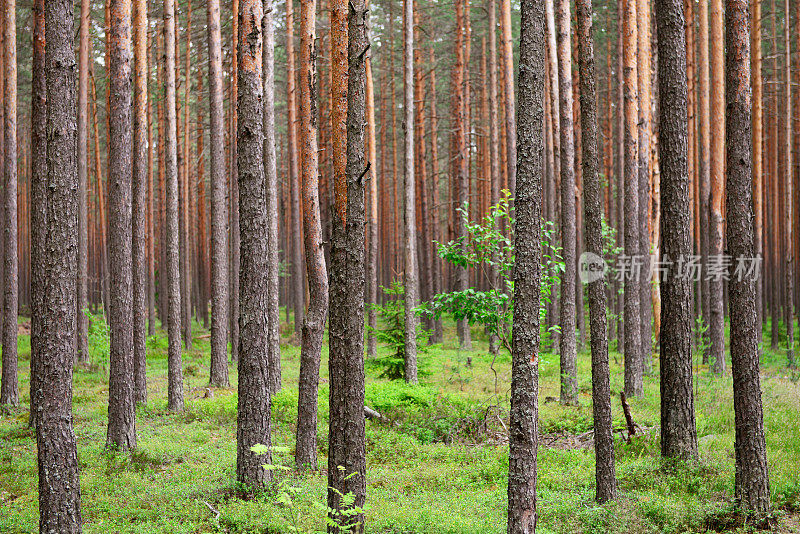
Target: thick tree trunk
[524,418]
[139,208]
[175,367]
[717,180]
[347,467]
[82,321]
[567,345]
[9,385]
[219,213]
[59,490]
[121,409]
[752,479]
[314,326]
[410,279]
[605,473]
[633,332]
[678,432]
[271,180]
[253,421]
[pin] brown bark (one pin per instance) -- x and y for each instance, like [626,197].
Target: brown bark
[59,490]
[507,56]
[437,334]
[605,476]
[787,198]
[185,194]
[9,385]
[347,467]
[233,212]
[139,201]
[82,321]
[758,154]
[524,417]
[752,479]
[219,239]
[410,279]
[372,217]
[633,332]
[567,346]
[175,367]
[121,409]
[313,328]
[703,154]
[717,180]
[678,432]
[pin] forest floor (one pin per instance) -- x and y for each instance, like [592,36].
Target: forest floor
[438,464]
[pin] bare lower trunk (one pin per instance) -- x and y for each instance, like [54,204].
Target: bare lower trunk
[82,321]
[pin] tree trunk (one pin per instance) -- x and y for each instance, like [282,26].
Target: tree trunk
[788,138]
[678,432]
[372,225]
[253,421]
[185,195]
[9,385]
[233,212]
[567,346]
[494,141]
[717,179]
[524,418]
[410,280]
[758,158]
[752,479]
[273,309]
[347,467]
[139,209]
[605,476]
[295,230]
[314,326]
[121,409]
[219,215]
[703,154]
[508,93]
[175,367]
[633,331]
[82,321]
[59,490]
[436,335]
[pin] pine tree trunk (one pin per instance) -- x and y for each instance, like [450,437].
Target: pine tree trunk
[703,154]
[372,223]
[347,443]
[139,208]
[175,367]
[508,92]
[494,141]
[233,212]
[678,432]
[59,490]
[9,385]
[410,279]
[436,335]
[567,346]
[758,157]
[273,309]
[82,321]
[121,409]
[633,331]
[313,328]
[605,476]
[788,138]
[219,215]
[253,421]
[752,479]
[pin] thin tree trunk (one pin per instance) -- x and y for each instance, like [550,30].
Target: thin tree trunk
[717,180]
[233,213]
[494,142]
[139,208]
[678,432]
[410,280]
[758,157]
[82,321]
[219,239]
[752,479]
[121,400]
[175,367]
[644,73]
[273,309]
[508,92]
[633,332]
[185,195]
[253,421]
[59,489]
[372,224]
[567,346]
[788,138]
[524,418]
[347,468]
[436,335]
[313,328]
[605,473]
[9,385]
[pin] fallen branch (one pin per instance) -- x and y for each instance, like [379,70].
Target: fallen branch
[213,511]
[628,417]
[369,413]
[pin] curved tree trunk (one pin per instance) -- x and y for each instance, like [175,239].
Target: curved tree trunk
[524,418]
[219,213]
[605,475]
[752,479]
[253,420]
[678,432]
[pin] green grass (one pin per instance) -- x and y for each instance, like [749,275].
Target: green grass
[438,465]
